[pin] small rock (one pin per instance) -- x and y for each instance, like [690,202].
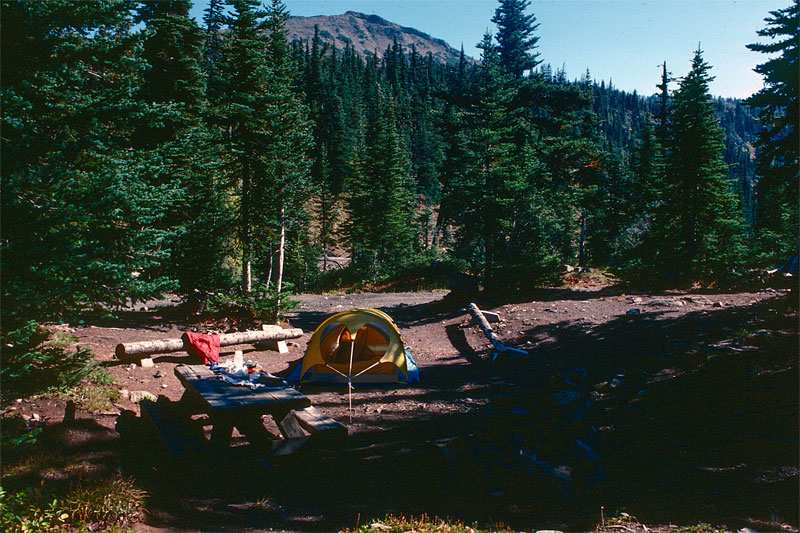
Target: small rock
[132,366]
[667,302]
[139,395]
[634,312]
[147,362]
[164,385]
[159,374]
[717,304]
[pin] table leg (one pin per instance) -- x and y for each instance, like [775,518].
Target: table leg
[252,427]
[289,426]
[221,434]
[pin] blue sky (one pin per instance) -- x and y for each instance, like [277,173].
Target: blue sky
[624,41]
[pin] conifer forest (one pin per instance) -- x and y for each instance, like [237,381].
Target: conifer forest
[145,152]
[223,167]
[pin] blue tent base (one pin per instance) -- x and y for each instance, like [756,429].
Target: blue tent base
[313,377]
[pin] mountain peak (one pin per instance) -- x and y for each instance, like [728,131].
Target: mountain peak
[369,35]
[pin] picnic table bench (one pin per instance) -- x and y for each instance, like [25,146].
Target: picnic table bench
[228,406]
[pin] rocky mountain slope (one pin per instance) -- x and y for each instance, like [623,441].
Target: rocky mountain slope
[369,35]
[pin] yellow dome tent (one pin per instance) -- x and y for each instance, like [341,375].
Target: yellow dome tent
[356,346]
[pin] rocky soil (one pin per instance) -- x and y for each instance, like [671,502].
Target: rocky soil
[677,408]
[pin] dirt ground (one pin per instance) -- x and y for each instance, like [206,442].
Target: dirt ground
[678,408]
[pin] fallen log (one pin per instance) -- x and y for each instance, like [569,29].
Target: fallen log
[227,339]
[499,347]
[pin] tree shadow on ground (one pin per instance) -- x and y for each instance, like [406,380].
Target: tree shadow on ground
[700,425]
[693,418]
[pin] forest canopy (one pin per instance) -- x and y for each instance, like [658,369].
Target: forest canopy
[145,152]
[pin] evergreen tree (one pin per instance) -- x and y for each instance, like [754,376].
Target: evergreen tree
[246,127]
[663,98]
[214,19]
[287,192]
[515,36]
[84,220]
[701,212]
[778,143]
[500,174]
[648,171]
[173,92]
[381,200]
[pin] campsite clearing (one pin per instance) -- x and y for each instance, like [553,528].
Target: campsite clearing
[677,407]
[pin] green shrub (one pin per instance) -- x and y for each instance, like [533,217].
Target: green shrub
[260,305]
[30,510]
[425,271]
[32,364]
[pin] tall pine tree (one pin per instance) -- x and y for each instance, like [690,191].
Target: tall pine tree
[778,143]
[701,215]
[173,92]
[515,36]
[286,192]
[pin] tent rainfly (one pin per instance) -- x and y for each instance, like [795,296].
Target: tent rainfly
[356,346]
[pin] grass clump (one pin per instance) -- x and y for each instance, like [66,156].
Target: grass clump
[626,522]
[104,504]
[96,393]
[422,524]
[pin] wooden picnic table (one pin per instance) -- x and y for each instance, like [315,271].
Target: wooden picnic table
[230,406]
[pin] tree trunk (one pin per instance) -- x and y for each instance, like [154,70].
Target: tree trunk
[582,247]
[247,275]
[269,269]
[281,255]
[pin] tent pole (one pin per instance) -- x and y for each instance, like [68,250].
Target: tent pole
[368,368]
[350,381]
